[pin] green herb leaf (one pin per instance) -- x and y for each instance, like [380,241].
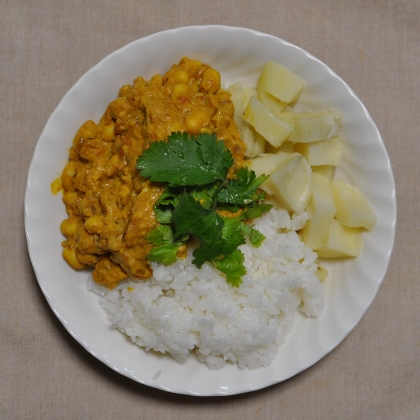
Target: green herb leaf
[186,161]
[194,171]
[242,191]
[255,237]
[164,254]
[190,217]
[233,267]
[162,234]
[204,194]
[257,210]
[165,205]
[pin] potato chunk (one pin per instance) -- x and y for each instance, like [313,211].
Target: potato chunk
[327,170]
[342,241]
[272,128]
[321,211]
[291,182]
[353,210]
[237,96]
[324,152]
[271,102]
[280,82]
[268,163]
[313,126]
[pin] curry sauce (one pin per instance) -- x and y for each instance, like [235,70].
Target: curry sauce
[110,206]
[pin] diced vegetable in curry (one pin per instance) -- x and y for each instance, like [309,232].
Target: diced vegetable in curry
[110,206]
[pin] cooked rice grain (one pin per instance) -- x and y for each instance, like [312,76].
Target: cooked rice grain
[183,309]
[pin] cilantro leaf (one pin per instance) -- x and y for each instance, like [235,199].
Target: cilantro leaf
[186,161]
[255,237]
[165,205]
[232,237]
[206,252]
[233,267]
[257,210]
[194,171]
[242,191]
[230,240]
[162,234]
[204,194]
[164,254]
[190,217]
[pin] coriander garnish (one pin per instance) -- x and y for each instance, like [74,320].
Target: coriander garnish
[194,172]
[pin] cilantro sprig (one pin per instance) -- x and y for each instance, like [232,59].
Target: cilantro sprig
[182,162]
[193,170]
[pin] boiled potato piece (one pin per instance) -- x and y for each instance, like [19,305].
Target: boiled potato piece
[249,92]
[342,241]
[313,126]
[268,163]
[321,211]
[254,142]
[291,182]
[287,147]
[237,97]
[247,135]
[324,152]
[353,210]
[272,128]
[259,144]
[271,102]
[327,170]
[280,82]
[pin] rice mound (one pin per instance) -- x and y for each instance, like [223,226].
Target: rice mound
[183,309]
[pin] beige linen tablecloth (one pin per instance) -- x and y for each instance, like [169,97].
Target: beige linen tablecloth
[47,45]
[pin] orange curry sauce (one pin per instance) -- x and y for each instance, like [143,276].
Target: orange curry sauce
[110,206]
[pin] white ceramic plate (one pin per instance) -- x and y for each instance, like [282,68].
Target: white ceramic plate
[239,54]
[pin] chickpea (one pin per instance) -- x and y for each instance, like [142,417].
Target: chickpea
[196,120]
[180,94]
[69,226]
[211,81]
[157,79]
[108,132]
[93,224]
[69,254]
[179,76]
[124,90]
[88,259]
[88,130]
[69,172]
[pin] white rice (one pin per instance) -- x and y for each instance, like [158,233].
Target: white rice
[183,309]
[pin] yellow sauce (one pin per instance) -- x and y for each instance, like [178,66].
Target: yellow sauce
[110,206]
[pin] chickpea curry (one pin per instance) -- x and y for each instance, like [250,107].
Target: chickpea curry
[110,206]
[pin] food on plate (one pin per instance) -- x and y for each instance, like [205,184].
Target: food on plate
[341,242]
[280,82]
[353,209]
[321,211]
[275,130]
[324,152]
[313,126]
[200,209]
[199,202]
[110,207]
[289,181]
[301,164]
